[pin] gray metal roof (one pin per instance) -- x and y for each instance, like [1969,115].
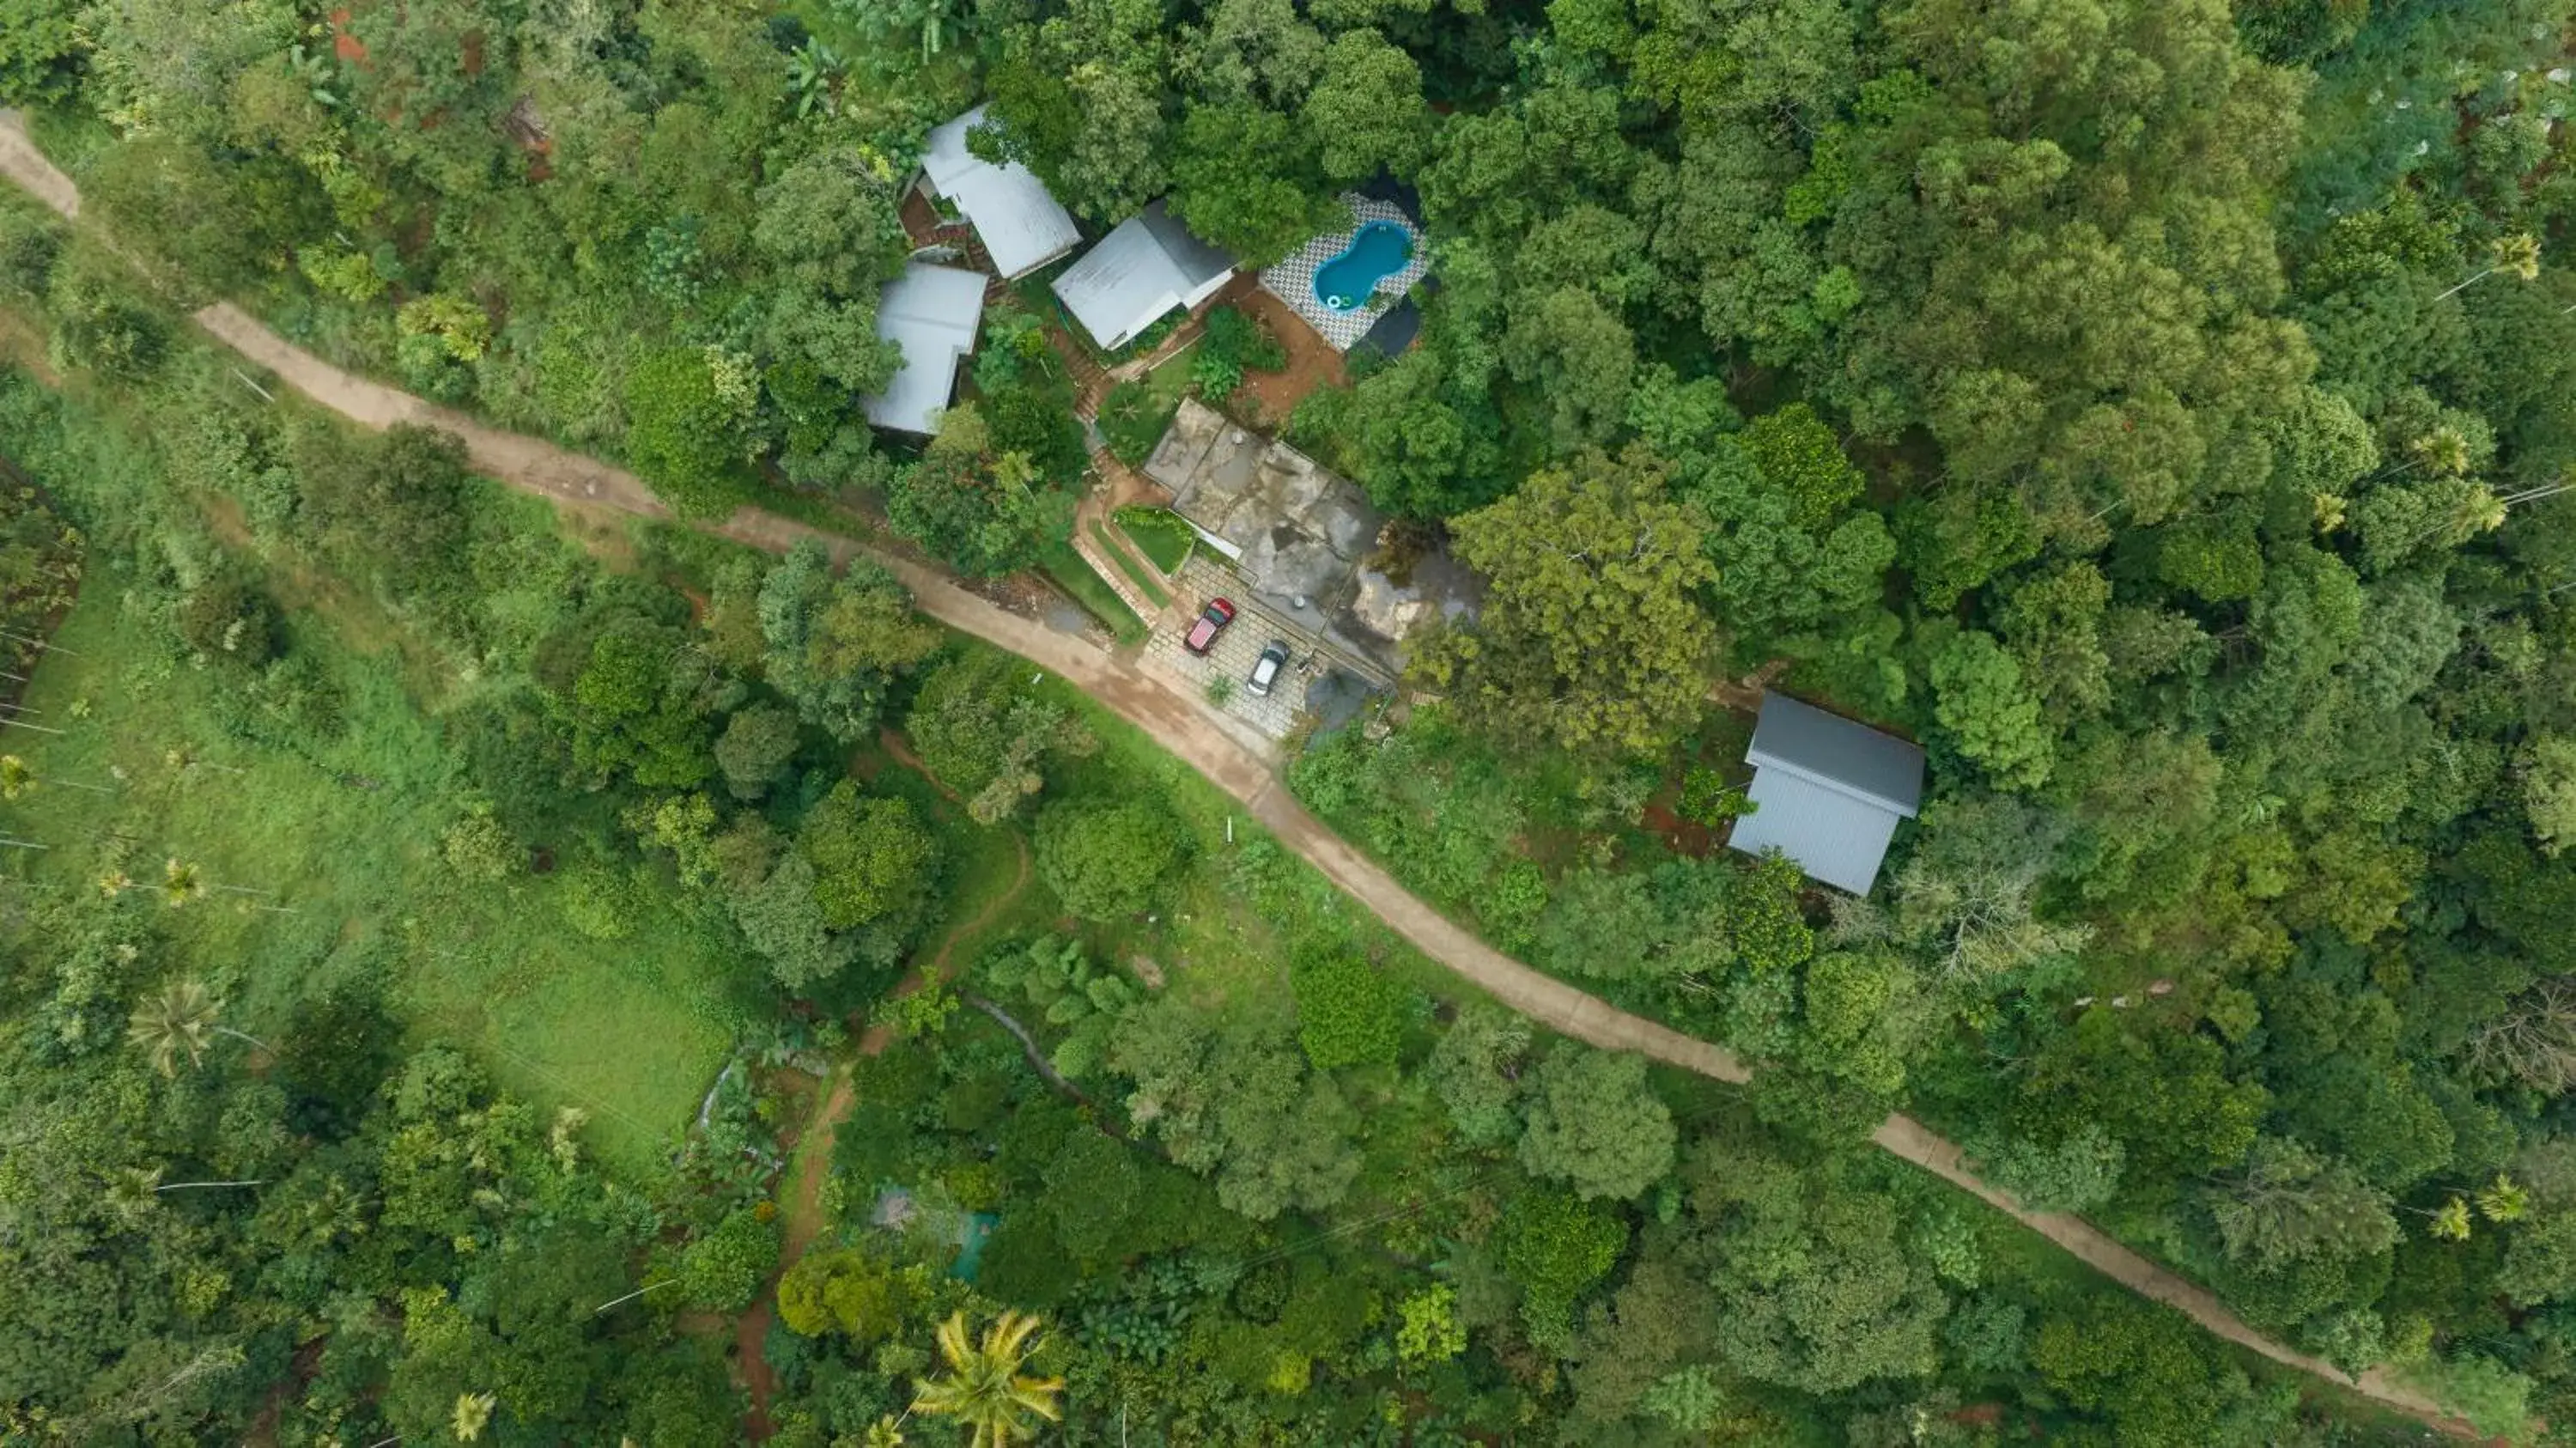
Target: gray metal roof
[1145,267]
[1023,227]
[1198,262]
[1830,836]
[933,313]
[1837,753]
[1830,792]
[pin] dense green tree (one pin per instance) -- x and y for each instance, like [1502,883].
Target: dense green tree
[2289,1204]
[829,236]
[1258,212]
[834,645]
[1593,1123]
[755,748]
[1105,859]
[970,502]
[1366,109]
[873,859]
[724,1269]
[1814,1289]
[40,60]
[1472,1068]
[1235,1100]
[1589,639]
[984,731]
[1990,712]
[634,710]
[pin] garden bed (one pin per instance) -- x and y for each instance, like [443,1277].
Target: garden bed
[1136,572]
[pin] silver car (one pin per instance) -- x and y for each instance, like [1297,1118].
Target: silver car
[1265,669]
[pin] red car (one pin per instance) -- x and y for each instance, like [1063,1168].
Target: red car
[1211,622]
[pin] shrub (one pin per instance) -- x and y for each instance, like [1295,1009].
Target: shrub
[1347,1014]
[27,251]
[1556,1246]
[724,1269]
[229,618]
[685,435]
[602,901]
[1707,799]
[1233,344]
[1104,859]
[479,849]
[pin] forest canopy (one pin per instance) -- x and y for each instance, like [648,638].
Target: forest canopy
[2162,411]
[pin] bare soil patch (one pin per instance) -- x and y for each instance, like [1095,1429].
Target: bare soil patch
[1266,398]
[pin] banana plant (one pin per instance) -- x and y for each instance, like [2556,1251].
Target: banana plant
[814,72]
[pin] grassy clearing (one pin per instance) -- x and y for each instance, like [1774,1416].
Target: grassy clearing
[346,835]
[1066,568]
[1136,572]
[345,825]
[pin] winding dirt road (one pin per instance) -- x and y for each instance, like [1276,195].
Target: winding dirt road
[1182,726]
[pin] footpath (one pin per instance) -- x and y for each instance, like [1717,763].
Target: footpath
[1182,726]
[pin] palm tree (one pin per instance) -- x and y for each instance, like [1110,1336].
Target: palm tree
[2517,256]
[984,1389]
[178,1022]
[17,779]
[181,883]
[473,1413]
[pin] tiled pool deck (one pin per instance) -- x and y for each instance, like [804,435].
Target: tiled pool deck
[1293,280]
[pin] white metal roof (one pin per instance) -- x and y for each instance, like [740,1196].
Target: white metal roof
[1022,226]
[933,313]
[1146,267]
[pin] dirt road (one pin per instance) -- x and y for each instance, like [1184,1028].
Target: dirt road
[1181,725]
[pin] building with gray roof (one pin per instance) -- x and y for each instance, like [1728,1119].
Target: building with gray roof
[1830,792]
[1146,267]
[1303,540]
[1022,226]
[933,313]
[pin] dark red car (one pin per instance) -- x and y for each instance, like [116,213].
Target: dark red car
[1211,622]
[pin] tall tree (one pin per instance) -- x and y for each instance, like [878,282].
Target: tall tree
[834,645]
[1589,639]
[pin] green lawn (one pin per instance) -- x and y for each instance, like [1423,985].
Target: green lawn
[1060,563]
[345,835]
[1127,564]
[1167,545]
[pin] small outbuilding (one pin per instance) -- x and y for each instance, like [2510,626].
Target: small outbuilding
[1022,225]
[933,313]
[1146,267]
[1830,792]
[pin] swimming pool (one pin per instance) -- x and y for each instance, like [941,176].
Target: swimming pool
[1377,251]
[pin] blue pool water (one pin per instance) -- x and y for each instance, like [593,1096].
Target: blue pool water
[1378,251]
[971,1236]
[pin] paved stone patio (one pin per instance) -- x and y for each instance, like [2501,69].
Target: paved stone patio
[1293,280]
[1236,649]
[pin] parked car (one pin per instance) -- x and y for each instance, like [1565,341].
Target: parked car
[1265,669]
[1211,622]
